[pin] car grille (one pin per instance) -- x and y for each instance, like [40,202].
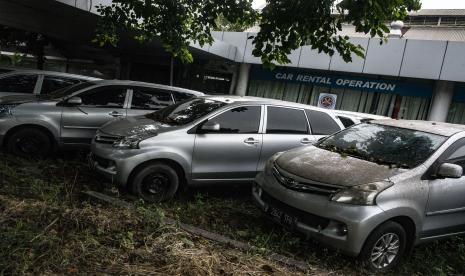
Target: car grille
[103,138]
[309,219]
[306,187]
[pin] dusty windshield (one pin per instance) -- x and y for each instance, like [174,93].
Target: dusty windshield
[392,146]
[185,112]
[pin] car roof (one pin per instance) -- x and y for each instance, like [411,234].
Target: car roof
[230,99]
[359,115]
[439,128]
[52,73]
[148,84]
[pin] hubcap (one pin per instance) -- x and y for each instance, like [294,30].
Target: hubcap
[155,185]
[385,250]
[29,144]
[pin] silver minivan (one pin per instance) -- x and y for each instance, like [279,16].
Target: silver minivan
[373,190]
[212,139]
[38,124]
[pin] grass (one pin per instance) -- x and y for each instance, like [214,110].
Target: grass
[47,226]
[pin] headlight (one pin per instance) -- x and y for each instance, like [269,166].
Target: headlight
[129,142]
[362,194]
[5,110]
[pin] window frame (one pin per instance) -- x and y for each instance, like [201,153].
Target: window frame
[198,127]
[309,128]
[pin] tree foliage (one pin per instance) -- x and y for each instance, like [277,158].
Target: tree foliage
[285,25]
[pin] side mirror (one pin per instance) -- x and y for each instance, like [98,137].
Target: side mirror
[74,101]
[448,170]
[211,126]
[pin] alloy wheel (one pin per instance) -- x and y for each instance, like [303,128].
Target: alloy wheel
[385,251]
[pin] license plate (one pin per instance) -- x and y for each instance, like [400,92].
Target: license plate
[281,217]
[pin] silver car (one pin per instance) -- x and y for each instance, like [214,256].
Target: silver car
[27,82]
[38,124]
[373,190]
[206,140]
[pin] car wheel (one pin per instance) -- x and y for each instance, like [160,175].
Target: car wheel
[156,182]
[29,142]
[385,247]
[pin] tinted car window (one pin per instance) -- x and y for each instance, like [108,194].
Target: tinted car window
[286,121]
[458,156]
[106,97]
[18,83]
[346,121]
[51,84]
[385,145]
[151,99]
[239,120]
[179,96]
[321,123]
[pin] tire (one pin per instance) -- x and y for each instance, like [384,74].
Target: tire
[29,142]
[376,256]
[155,182]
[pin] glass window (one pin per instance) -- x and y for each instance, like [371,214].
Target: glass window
[104,97]
[347,122]
[239,120]
[286,121]
[150,98]
[180,96]
[183,113]
[18,84]
[321,123]
[52,83]
[384,145]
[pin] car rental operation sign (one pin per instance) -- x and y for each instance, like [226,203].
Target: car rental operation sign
[345,82]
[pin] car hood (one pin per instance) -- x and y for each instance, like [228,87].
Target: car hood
[324,166]
[18,99]
[135,125]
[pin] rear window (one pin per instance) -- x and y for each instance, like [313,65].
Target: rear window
[286,121]
[321,123]
[347,122]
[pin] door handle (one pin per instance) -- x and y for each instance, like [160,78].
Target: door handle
[251,141]
[115,114]
[305,141]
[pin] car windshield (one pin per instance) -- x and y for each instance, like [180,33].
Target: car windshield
[185,112]
[385,145]
[63,92]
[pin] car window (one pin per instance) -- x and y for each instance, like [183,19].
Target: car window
[18,84]
[286,121]
[458,156]
[347,122]
[4,70]
[321,123]
[180,96]
[104,97]
[239,120]
[150,98]
[52,83]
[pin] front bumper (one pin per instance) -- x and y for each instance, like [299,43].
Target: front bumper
[341,226]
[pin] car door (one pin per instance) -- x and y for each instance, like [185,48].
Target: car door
[146,99]
[232,151]
[285,128]
[445,211]
[99,106]
[18,84]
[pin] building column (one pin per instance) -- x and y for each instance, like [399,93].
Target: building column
[243,79]
[442,98]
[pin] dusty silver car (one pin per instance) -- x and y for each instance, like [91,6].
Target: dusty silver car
[38,124]
[213,139]
[373,190]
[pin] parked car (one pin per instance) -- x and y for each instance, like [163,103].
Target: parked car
[350,118]
[36,125]
[21,82]
[207,140]
[373,190]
